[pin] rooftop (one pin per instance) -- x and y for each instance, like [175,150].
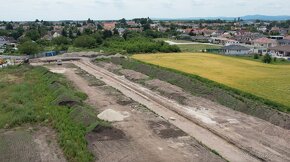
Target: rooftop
[235,47]
[281,48]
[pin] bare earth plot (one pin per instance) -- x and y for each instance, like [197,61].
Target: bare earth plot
[257,137]
[29,144]
[143,136]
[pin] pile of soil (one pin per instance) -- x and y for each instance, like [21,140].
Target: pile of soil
[113,116]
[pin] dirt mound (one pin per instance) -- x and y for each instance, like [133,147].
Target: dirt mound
[133,75]
[113,116]
[101,133]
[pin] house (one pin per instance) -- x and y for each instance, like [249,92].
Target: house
[280,51]
[56,34]
[261,45]
[287,37]
[132,24]
[284,42]
[109,25]
[235,50]
[202,39]
[3,41]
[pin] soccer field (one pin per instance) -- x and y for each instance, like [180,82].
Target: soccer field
[264,80]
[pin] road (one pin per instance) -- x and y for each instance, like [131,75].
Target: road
[169,109]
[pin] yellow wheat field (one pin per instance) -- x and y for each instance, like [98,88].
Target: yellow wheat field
[265,80]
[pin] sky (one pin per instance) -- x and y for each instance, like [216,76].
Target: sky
[49,10]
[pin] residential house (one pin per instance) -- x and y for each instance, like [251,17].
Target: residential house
[280,52]
[121,31]
[235,50]
[132,24]
[247,38]
[261,45]
[3,41]
[201,38]
[109,25]
[56,34]
[287,37]
[284,42]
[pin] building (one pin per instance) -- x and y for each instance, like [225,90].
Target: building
[280,51]
[109,25]
[284,42]
[261,45]
[235,50]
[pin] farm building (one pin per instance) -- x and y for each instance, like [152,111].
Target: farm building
[235,50]
[280,51]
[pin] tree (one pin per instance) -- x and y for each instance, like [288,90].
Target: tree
[29,48]
[115,32]
[64,33]
[267,59]
[107,34]
[100,27]
[9,26]
[85,41]
[256,56]
[61,40]
[33,34]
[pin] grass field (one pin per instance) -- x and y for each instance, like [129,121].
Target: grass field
[264,80]
[196,47]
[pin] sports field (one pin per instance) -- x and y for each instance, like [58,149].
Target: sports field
[264,80]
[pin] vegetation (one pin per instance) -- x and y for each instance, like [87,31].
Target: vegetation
[248,76]
[196,47]
[35,95]
[267,59]
[29,48]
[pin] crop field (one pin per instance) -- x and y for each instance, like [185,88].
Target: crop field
[264,80]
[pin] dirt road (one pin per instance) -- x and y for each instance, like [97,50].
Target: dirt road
[143,136]
[169,110]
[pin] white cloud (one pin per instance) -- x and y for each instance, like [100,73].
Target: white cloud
[115,9]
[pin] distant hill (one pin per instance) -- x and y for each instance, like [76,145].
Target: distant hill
[248,17]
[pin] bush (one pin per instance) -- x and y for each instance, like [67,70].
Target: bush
[85,42]
[256,56]
[29,48]
[267,59]
[61,40]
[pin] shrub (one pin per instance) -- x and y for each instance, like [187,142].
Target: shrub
[267,59]
[85,42]
[256,56]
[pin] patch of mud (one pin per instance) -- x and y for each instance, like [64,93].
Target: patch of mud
[30,145]
[167,89]
[113,116]
[133,75]
[165,130]
[119,97]
[48,147]
[101,133]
